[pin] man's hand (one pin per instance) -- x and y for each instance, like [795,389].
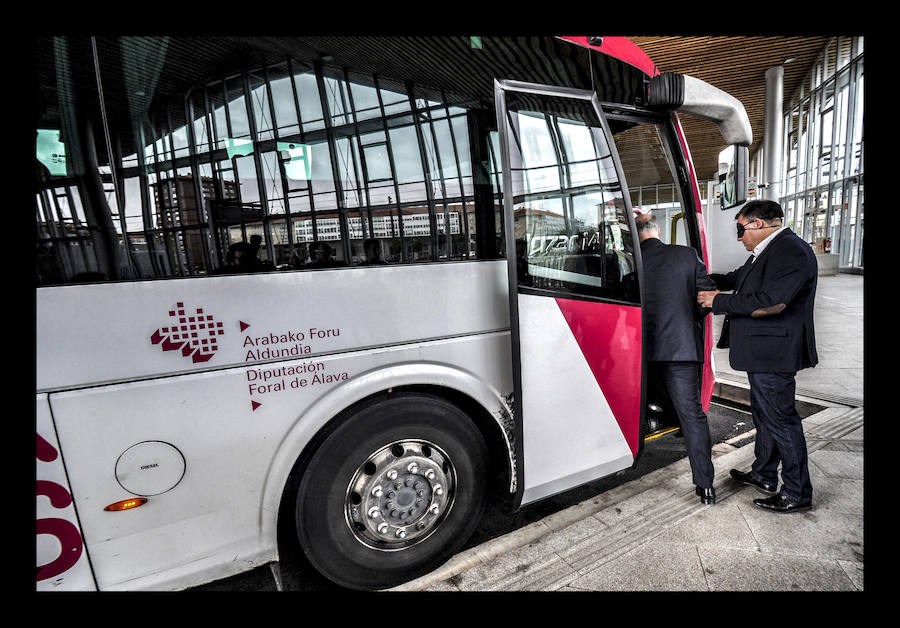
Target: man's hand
[705,297]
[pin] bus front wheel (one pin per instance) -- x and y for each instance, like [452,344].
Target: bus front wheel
[392,492]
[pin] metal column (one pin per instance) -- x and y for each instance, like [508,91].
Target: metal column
[772,135]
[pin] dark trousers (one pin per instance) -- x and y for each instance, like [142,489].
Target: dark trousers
[682,381]
[779,435]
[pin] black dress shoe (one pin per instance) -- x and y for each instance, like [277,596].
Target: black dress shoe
[780,503]
[746,478]
[707,495]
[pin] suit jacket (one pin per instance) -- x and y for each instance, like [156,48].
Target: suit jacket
[673,321]
[783,342]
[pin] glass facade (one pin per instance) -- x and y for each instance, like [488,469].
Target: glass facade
[823,154]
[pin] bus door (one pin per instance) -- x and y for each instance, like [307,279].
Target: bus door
[575,313]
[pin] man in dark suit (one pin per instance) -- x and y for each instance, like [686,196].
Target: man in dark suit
[673,276]
[768,328]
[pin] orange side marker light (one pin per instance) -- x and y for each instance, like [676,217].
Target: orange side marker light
[127,504]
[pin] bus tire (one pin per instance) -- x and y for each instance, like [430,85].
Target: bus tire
[392,493]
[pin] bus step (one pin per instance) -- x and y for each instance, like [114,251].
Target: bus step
[660,432]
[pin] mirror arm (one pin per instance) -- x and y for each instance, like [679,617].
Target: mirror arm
[680,92]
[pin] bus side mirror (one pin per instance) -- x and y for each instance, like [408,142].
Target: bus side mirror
[734,183]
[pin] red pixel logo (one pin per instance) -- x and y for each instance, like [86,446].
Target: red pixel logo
[194,335]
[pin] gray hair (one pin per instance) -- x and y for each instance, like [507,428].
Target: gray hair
[646,223]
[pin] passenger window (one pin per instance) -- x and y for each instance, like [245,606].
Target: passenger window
[295,165]
[652,183]
[571,227]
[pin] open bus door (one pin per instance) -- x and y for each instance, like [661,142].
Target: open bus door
[574,266]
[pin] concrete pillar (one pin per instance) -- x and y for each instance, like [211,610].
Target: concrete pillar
[774,130]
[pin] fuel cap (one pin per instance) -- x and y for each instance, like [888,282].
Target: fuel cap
[150,468]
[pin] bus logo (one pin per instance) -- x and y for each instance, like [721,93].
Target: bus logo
[194,335]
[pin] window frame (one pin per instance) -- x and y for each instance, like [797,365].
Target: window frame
[501,87]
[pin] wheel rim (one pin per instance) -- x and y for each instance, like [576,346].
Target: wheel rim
[400,495]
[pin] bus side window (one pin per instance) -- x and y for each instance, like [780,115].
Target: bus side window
[652,182]
[282,159]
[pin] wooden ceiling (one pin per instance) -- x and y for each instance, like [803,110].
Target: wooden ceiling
[736,65]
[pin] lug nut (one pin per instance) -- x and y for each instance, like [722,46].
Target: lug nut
[434,509]
[401,533]
[438,489]
[373,512]
[382,528]
[420,525]
[429,474]
[413,467]
[418,486]
[377,491]
[392,474]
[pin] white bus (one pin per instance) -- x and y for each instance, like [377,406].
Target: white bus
[210,374]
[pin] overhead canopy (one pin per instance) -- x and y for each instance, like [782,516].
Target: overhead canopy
[736,65]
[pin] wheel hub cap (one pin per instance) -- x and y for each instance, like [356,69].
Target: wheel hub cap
[400,495]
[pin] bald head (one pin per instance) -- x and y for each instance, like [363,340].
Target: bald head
[647,226]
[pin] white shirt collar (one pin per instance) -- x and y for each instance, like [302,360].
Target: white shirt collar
[762,245]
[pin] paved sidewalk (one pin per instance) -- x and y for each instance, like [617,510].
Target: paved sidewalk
[653,534]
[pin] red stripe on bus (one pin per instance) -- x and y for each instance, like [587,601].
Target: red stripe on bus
[610,339]
[708,380]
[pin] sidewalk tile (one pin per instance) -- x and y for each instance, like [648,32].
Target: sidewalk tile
[730,569]
[657,566]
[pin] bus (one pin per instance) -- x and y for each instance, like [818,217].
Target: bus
[337,292]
